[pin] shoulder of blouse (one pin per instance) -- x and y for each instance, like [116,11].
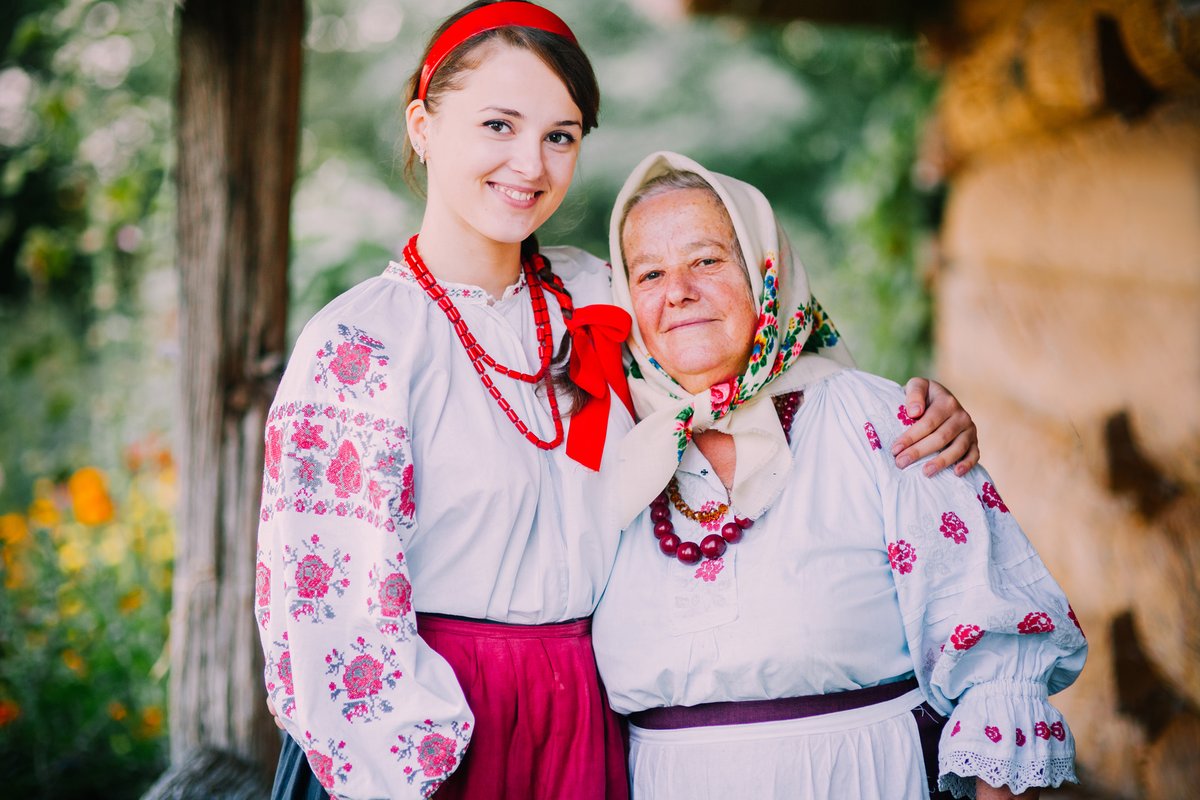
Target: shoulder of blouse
[587,278]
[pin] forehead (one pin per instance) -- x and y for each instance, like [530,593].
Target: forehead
[512,77]
[667,215]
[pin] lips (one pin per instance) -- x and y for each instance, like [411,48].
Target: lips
[687,324]
[520,197]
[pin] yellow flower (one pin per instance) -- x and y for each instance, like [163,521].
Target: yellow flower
[69,607]
[113,548]
[72,557]
[117,710]
[14,530]
[131,601]
[152,721]
[43,513]
[162,547]
[74,662]
[89,497]
[9,712]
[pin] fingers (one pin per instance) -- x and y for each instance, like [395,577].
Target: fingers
[274,714]
[955,436]
[915,396]
[925,436]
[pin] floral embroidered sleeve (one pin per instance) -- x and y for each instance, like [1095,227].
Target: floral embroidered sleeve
[377,712]
[990,631]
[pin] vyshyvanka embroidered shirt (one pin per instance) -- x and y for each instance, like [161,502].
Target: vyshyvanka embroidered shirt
[395,484]
[859,574]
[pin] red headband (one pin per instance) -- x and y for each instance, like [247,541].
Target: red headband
[488,18]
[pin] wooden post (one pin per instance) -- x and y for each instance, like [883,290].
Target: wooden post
[238,117]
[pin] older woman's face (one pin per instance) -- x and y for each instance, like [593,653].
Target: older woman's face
[691,295]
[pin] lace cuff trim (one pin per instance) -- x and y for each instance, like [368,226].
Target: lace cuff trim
[960,768]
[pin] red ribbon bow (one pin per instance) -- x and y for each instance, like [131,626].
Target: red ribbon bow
[597,333]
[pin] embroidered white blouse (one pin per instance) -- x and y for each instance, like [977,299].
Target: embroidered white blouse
[859,574]
[394,483]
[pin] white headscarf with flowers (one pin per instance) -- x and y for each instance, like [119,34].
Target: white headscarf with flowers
[792,329]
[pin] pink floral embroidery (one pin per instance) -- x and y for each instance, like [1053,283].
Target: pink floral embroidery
[362,677]
[966,636]
[273,456]
[363,680]
[408,506]
[991,499]
[954,528]
[1074,619]
[351,363]
[1058,731]
[1020,738]
[902,555]
[312,577]
[902,415]
[715,523]
[1042,731]
[1035,622]
[345,471]
[262,584]
[436,755]
[284,670]
[720,396]
[322,767]
[323,763]
[710,569]
[957,728]
[395,595]
[872,436]
[992,732]
[308,436]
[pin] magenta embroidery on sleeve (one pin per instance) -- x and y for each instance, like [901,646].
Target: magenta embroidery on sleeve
[362,679]
[992,732]
[326,766]
[872,436]
[954,528]
[313,578]
[352,366]
[902,415]
[991,498]
[966,636]
[1035,622]
[436,750]
[902,555]
[1020,738]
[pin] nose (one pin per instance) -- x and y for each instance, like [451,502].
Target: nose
[680,288]
[527,158]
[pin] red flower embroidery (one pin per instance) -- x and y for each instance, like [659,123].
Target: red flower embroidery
[435,753]
[966,636]
[1035,622]
[957,728]
[262,584]
[322,767]
[1042,731]
[1074,619]
[902,415]
[408,505]
[954,528]
[345,471]
[1058,731]
[395,595]
[284,670]
[901,556]
[274,453]
[308,435]
[720,396]
[872,436]
[991,499]
[1020,738]
[710,569]
[351,363]
[992,732]
[362,677]
[312,577]
[376,493]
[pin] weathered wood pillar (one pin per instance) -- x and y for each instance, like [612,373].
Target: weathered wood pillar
[238,118]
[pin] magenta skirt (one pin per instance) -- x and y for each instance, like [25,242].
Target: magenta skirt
[543,728]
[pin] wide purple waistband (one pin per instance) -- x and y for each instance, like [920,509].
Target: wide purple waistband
[488,629]
[749,711]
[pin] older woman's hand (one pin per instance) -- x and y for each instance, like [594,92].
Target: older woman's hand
[945,425]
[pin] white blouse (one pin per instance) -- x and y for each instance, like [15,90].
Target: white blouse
[394,483]
[860,574]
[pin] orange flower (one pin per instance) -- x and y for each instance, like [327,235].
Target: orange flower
[9,712]
[14,530]
[74,662]
[89,497]
[131,601]
[152,721]
[117,710]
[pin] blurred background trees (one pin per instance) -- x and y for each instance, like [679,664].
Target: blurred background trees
[826,121]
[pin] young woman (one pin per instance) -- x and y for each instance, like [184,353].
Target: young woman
[794,613]
[431,544]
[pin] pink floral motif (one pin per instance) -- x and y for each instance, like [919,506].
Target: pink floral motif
[322,767]
[312,577]
[715,523]
[408,506]
[902,555]
[1074,619]
[720,396]
[345,471]
[395,595]
[1042,731]
[436,755]
[262,584]
[966,636]
[1035,622]
[992,732]
[351,363]
[1020,738]
[902,415]
[273,456]
[308,436]
[709,569]
[991,498]
[376,492]
[284,670]
[1058,731]
[872,436]
[362,677]
[954,528]
[957,728]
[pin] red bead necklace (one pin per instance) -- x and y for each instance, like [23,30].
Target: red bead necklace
[714,545]
[480,359]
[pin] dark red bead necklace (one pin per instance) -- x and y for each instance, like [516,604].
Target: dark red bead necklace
[480,359]
[714,545]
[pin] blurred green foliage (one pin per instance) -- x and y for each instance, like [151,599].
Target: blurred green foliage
[825,121]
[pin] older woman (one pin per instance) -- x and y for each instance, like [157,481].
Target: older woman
[786,616]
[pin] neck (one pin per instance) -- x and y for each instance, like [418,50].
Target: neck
[471,258]
[719,449]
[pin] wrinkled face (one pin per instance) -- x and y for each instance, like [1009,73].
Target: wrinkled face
[691,294]
[501,149]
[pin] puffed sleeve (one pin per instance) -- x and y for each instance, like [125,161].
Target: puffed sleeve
[378,713]
[990,631]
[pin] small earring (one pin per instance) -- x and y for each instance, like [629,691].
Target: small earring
[420,155]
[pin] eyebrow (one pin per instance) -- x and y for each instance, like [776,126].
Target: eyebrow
[511,112]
